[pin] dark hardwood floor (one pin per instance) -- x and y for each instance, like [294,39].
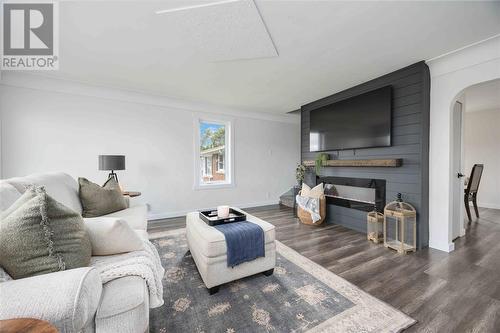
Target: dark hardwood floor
[456,292]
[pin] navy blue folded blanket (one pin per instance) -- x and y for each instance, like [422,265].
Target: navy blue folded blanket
[244,240]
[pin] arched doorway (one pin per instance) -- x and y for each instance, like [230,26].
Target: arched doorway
[475,121]
[450,76]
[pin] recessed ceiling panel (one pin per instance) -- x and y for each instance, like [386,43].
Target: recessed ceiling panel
[226,30]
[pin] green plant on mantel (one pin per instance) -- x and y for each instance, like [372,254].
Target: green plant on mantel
[320,160]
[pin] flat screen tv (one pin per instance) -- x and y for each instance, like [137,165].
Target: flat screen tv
[361,121]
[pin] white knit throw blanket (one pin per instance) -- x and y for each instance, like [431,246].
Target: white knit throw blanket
[310,205]
[144,263]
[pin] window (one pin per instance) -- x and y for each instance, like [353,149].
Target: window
[213,153]
[220,163]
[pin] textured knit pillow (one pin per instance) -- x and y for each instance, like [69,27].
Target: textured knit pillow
[97,201]
[4,277]
[39,235]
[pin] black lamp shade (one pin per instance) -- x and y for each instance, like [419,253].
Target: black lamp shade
[111,162]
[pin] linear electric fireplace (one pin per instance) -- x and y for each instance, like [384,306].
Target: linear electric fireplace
[356,193]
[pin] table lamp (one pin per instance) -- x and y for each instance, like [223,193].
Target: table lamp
[112,163]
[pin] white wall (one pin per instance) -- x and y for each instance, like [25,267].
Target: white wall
[482,146]
[63,126]
[450,75]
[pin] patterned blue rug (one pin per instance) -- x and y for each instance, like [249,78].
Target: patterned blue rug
[300,296]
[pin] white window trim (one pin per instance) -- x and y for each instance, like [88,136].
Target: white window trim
[206,166]
[229,150]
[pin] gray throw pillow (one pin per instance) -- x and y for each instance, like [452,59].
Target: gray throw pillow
[39,235]
[97,201]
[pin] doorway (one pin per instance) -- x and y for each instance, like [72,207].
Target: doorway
[450,76]
[476,141]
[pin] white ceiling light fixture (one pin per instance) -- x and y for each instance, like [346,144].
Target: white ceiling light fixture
[172,10]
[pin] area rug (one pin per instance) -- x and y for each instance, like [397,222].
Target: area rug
[300,296]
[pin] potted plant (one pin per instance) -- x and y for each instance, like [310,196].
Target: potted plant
[321,158]
[300,172]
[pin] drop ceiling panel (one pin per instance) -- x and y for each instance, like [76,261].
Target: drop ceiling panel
[224,31]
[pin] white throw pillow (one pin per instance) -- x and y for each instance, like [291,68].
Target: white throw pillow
[315,192]
[111,235]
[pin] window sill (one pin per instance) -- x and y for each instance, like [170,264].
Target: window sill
[198,187]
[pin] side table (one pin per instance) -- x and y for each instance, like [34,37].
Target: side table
[131,193]
[26,325]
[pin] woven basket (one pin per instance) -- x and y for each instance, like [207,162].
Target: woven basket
[305,216]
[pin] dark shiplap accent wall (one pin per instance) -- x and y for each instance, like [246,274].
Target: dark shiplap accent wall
[410,141]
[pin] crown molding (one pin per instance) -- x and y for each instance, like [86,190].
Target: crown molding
[474,54]
[70,87]
[463,48]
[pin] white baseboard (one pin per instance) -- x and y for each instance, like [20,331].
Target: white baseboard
[488,205]
[166,215]
[450,247]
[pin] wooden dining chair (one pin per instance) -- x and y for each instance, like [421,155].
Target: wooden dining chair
[472,188]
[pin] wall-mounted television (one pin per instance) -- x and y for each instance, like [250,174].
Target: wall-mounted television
[362,121]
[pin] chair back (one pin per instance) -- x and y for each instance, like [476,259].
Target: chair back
[475,178]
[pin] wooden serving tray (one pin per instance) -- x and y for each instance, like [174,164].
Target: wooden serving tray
[210,217]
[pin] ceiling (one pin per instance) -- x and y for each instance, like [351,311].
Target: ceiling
[223,30]
[483,96]
[322,46]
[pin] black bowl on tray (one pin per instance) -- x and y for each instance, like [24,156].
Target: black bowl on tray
[210,217]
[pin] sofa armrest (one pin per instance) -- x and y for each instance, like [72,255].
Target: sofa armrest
[67,299]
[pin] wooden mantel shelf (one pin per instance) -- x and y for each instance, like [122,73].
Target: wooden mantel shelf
[388,163]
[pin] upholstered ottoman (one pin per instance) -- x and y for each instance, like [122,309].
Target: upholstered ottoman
[208,249]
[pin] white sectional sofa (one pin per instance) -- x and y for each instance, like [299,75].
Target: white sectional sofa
[75,300]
